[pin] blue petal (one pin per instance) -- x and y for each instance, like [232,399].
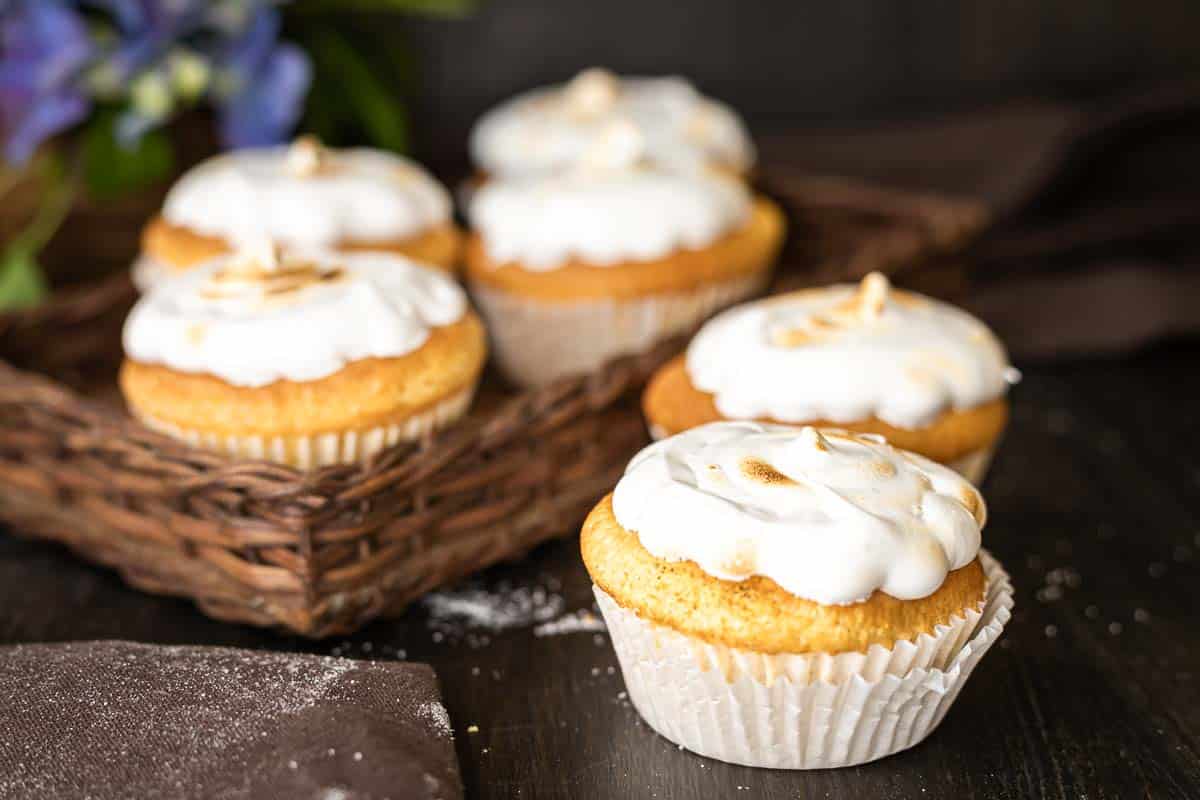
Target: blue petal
[45,46]
[46,40]
[44,118]
[166,18]
[249,51]
[269,103]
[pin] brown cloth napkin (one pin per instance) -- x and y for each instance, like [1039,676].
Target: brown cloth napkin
[1092,249]
[122,720]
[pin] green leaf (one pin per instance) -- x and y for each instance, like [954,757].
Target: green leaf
[110,168]
[362,97]
[21,281]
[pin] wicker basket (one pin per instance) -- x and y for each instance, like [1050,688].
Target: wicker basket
[322,553]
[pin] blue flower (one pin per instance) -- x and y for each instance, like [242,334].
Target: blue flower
[44,46]
[267,83]
[152,56]
[146,31]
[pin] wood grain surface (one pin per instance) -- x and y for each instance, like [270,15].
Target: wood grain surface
[1093,692]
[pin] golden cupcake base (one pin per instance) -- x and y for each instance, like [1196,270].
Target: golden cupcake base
[312,451]
[962,437]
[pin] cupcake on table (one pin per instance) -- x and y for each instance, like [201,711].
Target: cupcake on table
[611,254]
[925,375]
[303,195]
[548,130]
[306,358]
[793,597]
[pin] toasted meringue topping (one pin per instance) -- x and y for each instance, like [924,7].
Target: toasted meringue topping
[607,215]
[262,316]
[307,196]
[591,93]
[763,473]
[263,272]
[828,515]
[863,308]
[306,157]
[548,130]
[620,146]
[845,354]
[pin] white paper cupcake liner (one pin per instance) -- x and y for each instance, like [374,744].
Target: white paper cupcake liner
[322,449]
[535,341]
[801,711]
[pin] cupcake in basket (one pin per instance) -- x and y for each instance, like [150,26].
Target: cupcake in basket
[304,195]
[927,376]
[611,255]
[793,597]
[306,358]
[547,130]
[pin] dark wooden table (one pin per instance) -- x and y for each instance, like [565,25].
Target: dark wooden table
[1093,692]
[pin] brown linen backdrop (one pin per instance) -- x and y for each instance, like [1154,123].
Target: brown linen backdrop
[1091,248]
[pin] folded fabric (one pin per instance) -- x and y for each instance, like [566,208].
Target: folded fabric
[1094,208]
[122,720]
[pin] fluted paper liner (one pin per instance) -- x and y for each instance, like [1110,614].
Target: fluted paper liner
[536,341]
[310,451]
[802,711]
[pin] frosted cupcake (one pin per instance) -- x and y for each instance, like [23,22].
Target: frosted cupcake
[610,256]
[927,376]
[300,196]
[790,597]
[547,130]
[308,359]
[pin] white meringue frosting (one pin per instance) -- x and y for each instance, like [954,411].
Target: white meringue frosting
[548,129]
[611,206]
[846,353]
[260,316]
[829,516]
[306,195]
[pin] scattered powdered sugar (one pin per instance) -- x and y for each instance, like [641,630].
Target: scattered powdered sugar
[582,621]
[435,714]
[453,612]
[228,697]
[127,720]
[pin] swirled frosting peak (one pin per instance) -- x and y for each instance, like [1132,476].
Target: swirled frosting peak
[548,129]
[620,146]
[307,195]
[263,315]
[846,353]
[262,273]
[592,93]
[306,157]
[829,516]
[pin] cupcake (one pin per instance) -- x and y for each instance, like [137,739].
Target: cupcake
[611,255]
[300,196]
[925,375]
[793,597]
[548,130]
[308,359]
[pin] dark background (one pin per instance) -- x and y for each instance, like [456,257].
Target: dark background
[786,61]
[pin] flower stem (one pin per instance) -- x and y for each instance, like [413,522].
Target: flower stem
[57,199]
